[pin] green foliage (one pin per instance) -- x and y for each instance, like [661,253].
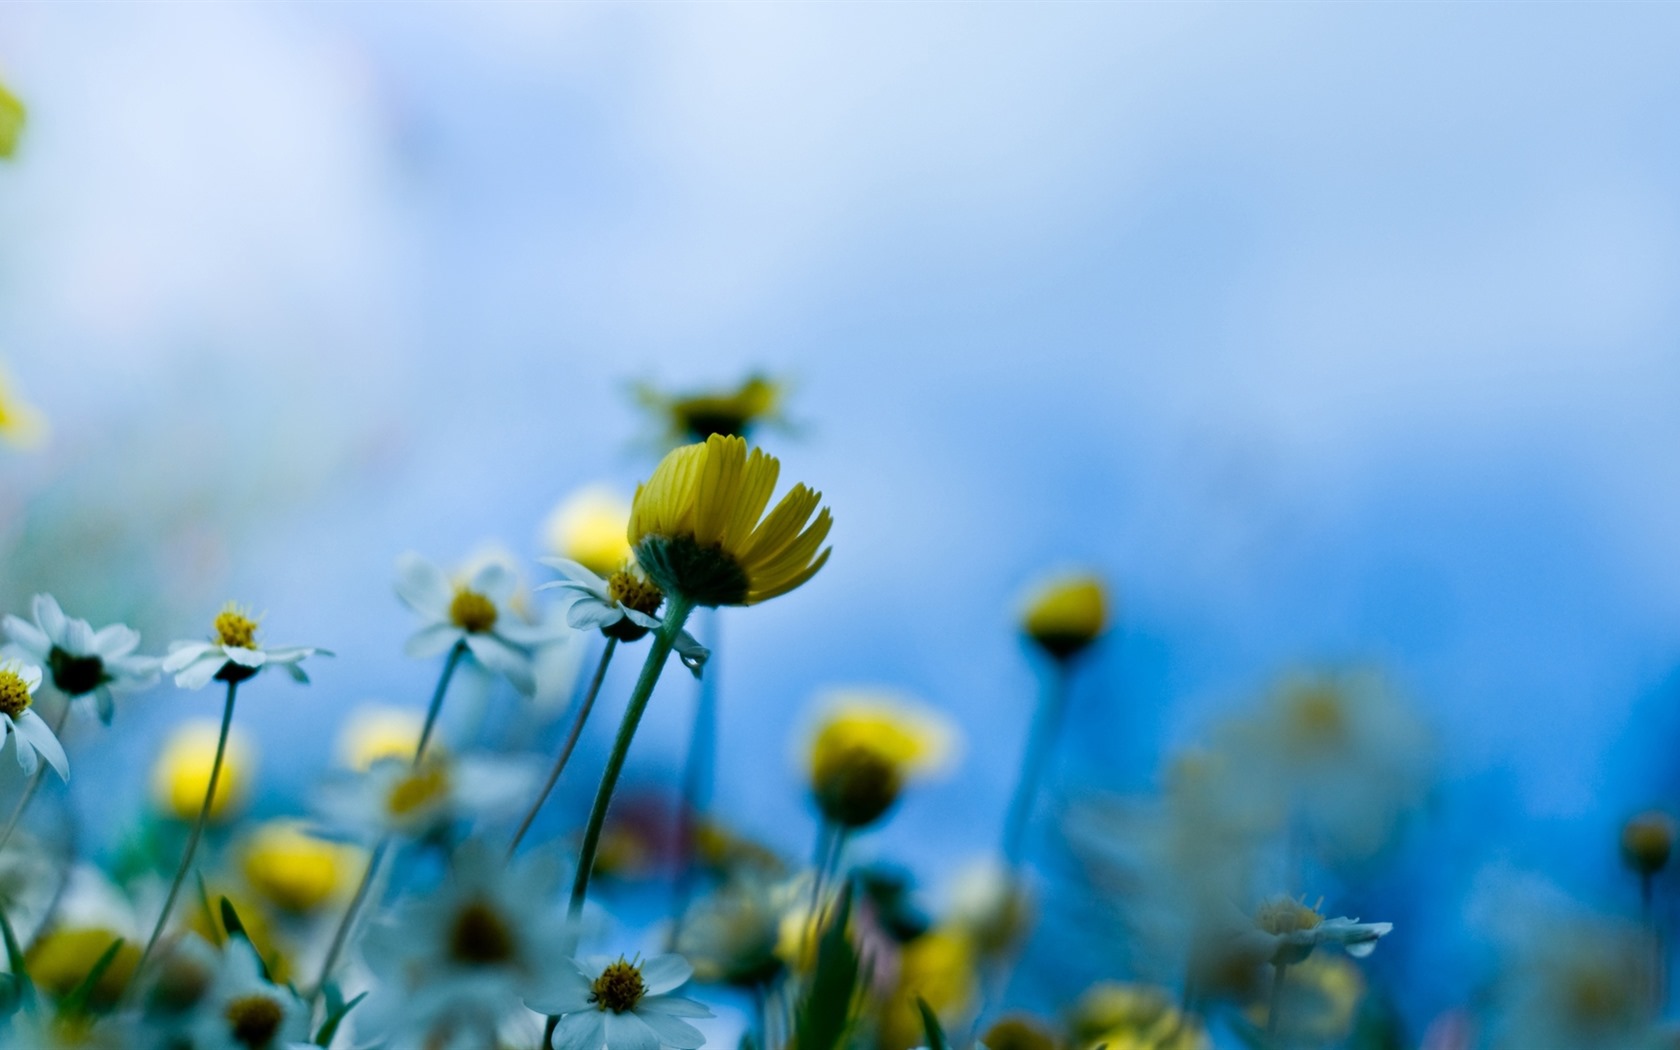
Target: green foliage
[82,995]
[825,1015]
[935,1034]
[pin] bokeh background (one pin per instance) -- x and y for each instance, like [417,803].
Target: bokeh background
[1327,333]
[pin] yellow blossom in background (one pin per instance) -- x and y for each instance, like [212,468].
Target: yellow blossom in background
[259,928]
[21,424]
[1064,615]
[181,774]
[939,968]
[12,119]
[296,871]
[864,749]
[59,962]
[589,528]
[1648,842]
[728,413]
[1320,1001]
[1133,1017]
[696,531]
[1017,1032]
[375,732]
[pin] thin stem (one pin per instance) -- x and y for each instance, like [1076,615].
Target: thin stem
[34,781]
[458,650]
[566,748]
[696,782]
[1047,722]
[192,840]
[1275,1011]
[341,936]
[663,638]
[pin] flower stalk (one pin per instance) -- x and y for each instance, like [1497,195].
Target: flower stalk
[566,749]
[450,662]
[696,786]
[1041,744]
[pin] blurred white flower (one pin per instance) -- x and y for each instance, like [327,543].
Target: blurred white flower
[620,1004]
[476,612]
[395,797]
[232,655]
[622,606]
[1286,931]
[244,1011]
[29,731]
[86,665]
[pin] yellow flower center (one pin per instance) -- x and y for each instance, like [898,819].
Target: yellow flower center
[1321,715]
[472,612]
[1599,995]
[479,936]
[235,627]
[254,1020]
[634,591]
[14,694]
[1285,916]
[619,988]
[417,790]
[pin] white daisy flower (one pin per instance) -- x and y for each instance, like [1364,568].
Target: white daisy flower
[476,612]
[1287,931]
[464,958]
[233,654]
[622,606]
[85,664]
[242,1011]
[395,797]
[617,1004]
[34,738]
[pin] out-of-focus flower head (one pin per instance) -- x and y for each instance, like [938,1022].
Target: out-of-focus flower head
[296,871]
[992,904]
[698,415]
[475,610]
[588,527]
[206,921]
[1019,1032]
[243,1010]
[373,732]
[1065,614]
[938,968]
[83,664]
[12,118]
[28,731]
[1341,753]
[696,529]
[1130,1016]
[232,655]
[1319,1002]
[1578,982]
[1286,931]
[623,1004]
[731,936]
[468,956]
[866,746]
[181,773]
[1648,842]
[734,854]
[61,959]
[395,797]
[622,606]
[21,424]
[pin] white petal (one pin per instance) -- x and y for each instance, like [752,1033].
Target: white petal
[628,1032]
[495,581]
[245,657]
[50,617]
[586,614]
[662,973]
[78,638]
[31,676]
[106,706]
[423,586]
[569,991]
[498,655]
[671,1032]
[36,735]
[197,674]
[115,641]
[672,1006]
[574,572]
[27,637]
[431,640]
[640,619]
[183,653]
[581,1031]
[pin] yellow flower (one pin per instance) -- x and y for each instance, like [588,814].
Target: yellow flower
[181,774]
[12,115]
[61,960]
[21,424]
[1320,1001]
[373,733]
[1133,1017]
[1648,842]
[588,528]
[1018,1032]
[1066,614]
[939,968]
[865,748]
[294,870]
[696,531]
[728,413]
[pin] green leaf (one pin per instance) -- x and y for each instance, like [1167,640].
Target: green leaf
[15,961]
[826,1013]
[79,998]
[335,1017]
[935,1034]
[236,928]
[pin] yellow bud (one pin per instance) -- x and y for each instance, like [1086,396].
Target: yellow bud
[61,960]
[295,870]
[1066,614]
[1648,841]
[181,775]
[372,733]
[12,116]
[865,748]
[589,528]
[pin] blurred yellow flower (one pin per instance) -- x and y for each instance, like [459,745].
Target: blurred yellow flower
[1320,1001]
[1133,1017]
[12,117]
[864,749]
[181,774]
[297,871]
[21,424]
[1018,1032]
[588,527]
[375,732]
[727,413]
[1066,614]
[61,960]
[939,968]
[1648,842]
[696,531]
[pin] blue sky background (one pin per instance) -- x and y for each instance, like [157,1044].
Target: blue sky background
[1327,332]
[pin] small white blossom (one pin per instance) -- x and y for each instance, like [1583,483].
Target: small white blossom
[28,730]
[395,797]
[610,606]
[477,613]
[233,654]
[84,664]
[243,1011]
[617,1004]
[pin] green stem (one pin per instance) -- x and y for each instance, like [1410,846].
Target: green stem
[1047,722]
[566,748]
[1274,1012]
[341,936]
[458,650]
[34,781]
[192,840]
[696,782]
[663,639]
